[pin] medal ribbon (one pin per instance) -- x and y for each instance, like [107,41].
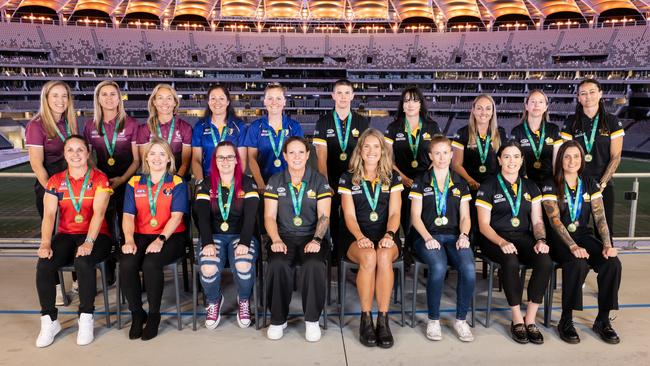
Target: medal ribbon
[276,148]
[343,140]
[225,212]
[589,143]
[514,207]
[441,196]
[222,134]
[575,204]
[536,147]
[297,201]
[372,200]
[171,131]
[154,199]
[413,146]
[67,131]
[483,152]
[77,203]
[110,147]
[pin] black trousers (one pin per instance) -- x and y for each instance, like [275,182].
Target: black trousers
[152,270]
[608,203]
[575,270]
[405,212]
[114,213]
[64,248]
[280,279]
[336,227]
[541,265]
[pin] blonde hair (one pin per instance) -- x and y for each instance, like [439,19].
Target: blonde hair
[545,118]
[171,168]
[45,113]
[274,85]
[385,165]
[493,129]
[98,112]
[152,121]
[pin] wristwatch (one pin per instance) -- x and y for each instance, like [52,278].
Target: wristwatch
[390,233]
[89,240]
[162,238]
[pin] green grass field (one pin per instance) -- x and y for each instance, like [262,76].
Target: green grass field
[19,218]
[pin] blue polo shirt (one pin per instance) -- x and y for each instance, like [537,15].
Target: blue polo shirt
[257,136]
[202,137]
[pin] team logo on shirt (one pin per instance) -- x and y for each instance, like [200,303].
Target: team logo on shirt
[330,132]
[586,197]
[549,141]
[527,196]
[167,192]
[427,189]
[426,136]
[524,142]
[355,188]
[385,188]
[355,132]
[456,192]
[281,190]
[311,194]
[142,191]
[399,136]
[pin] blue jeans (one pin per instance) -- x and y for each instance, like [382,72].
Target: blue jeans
[243,267]
[436,259]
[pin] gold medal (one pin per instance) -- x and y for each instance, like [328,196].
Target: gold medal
[78,218]
[588,158]
[414,164]
[153,222]
[224,226]
[572,227]
[277,163]
[343,156]
[482,169]
[297,221]
[374,216]
[515,222]
[111,161]
[438,221]
[537,164]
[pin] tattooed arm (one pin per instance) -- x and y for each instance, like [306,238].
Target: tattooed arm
[321,226]
[598,210]
[539,232]
[323,212]
[553,213]
[616,149]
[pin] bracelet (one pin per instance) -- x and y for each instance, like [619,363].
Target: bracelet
[89,240]
[541,239]
[318,239]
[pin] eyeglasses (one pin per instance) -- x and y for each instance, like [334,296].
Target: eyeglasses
[228,158]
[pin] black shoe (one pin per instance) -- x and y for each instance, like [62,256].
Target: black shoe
[384,336]
[150,330]
[534,335]
[606,332]
[519,333]
[367,330]
[567,331]
[138,318]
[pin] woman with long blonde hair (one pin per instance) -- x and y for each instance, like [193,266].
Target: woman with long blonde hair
[371,200]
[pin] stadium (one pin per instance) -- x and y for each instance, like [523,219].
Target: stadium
[453,50]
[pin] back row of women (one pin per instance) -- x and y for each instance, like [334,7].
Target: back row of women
[489,193]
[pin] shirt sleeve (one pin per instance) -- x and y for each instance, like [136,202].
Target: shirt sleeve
[567,130]
[252,135]
[320,133]
[389,134]
[459,140]
[186,134]
[535,194]
[243,129]
[593,189]
[615,127]
[180,201]
[323,189]
[202,209]
[52,186]
[34,134]
[548,191]
[143,134]
[296,129]
[416,189]
[129,196]
[87,133]
[101,180]
[465,194]
[345,184]
[396,183]
[272,186]
[484,195]
[197,134]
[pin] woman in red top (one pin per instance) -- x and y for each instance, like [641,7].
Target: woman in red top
[80,194]
[154,205]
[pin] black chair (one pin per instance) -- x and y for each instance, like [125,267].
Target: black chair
[419,266]
[101,266]
[174,269]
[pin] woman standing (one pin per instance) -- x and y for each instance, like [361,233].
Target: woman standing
[226,220]
[371,199]
[296,217]
[570,200]
[80,194]
[440,215]
[154,234]
[508,207]
[409,136]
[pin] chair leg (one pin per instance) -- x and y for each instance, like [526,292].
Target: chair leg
[118,295]
[488,309]
[327,297]
[195,297]
[264,299]
[416,272]
[395,274]
[402,284]
[178,296]
[548,300]
[473,310]
[66,299]
[342,283]
[256,292]
[102,272]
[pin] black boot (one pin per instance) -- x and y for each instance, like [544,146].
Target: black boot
[605,331]
[150,330]
[138,318]
[384,336]
[567,331]
[367,330]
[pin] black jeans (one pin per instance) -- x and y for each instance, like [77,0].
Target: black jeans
[152,270]
[64,248]
[575,270]
[280,279]
[541,265]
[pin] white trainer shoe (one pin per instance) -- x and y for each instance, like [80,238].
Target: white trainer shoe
[434,332]
[463,331]
[85,334]
[276,332]
[49,329]
[312,331]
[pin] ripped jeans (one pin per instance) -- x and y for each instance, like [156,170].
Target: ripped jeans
[243,267]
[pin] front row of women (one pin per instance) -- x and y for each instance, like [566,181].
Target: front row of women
[296,217]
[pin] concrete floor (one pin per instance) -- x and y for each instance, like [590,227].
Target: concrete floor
[230,345]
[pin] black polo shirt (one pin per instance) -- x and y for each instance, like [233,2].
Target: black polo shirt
[552,137]
[575,130]
[424,190]
[371,230]
[491,196]
[242,215]
[471,157]
[590,191]
[325,135]
[277,189]
[396,136]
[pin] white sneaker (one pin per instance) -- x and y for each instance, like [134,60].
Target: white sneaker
[75,287]
[86,329]
[463,331]
[49,329]
[59,296]
[312,331]
[434,332]
[276,332]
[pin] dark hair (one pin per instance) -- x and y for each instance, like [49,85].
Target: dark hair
[602,125]
[215,177]
[294,139]
[514,143]
[230,110]
[77,137]
[558,176]
[412,91]
[343,82]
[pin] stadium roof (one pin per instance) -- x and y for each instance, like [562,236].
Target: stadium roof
[334,10]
